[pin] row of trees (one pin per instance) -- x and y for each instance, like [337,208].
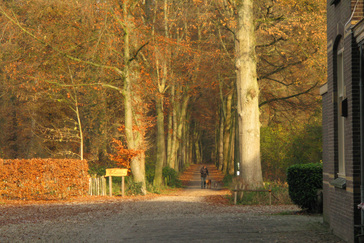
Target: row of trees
[168,79]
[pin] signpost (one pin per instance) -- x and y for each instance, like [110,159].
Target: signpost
[116,172]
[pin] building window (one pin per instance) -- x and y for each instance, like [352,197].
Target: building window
[332,2]
[341,95]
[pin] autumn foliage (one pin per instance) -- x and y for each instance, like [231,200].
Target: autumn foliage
[41,179]
[73,71]
[123,156]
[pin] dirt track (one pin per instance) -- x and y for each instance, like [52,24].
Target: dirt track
[185,216]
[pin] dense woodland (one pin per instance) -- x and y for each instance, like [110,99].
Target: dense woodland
[154,82]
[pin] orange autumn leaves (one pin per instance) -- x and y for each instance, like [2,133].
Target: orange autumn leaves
[43,179]
[123,156]
[50,179]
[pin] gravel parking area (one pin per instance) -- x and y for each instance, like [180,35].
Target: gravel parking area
[188,215]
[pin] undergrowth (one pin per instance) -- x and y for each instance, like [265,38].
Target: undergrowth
[131,188]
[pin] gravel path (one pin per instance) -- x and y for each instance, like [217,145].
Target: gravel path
[182,217]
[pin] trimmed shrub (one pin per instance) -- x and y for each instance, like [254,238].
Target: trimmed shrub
[41,179]
[305,183]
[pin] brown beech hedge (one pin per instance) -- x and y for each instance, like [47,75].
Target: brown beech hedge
[43,179]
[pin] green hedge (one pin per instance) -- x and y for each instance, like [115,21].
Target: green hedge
[304,181]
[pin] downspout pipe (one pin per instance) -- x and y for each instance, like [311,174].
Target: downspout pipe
[361,85]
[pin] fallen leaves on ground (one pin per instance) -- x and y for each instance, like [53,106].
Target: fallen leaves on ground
[218,199]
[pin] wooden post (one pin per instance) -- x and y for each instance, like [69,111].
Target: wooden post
[242,192]
[103,186]
[122,186]
[270,197]
[235,194]
[97,186]
[110,186]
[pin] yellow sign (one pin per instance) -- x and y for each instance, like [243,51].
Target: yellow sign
[116,172]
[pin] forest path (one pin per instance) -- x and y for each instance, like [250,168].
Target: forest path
[191,178]
[187,216]
[192,192]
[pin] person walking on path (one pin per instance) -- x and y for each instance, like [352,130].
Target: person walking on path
[204,173]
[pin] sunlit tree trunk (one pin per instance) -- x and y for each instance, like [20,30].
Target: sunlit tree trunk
[248,93]
[236,146]
[79,126]
[173,144]
[134,140]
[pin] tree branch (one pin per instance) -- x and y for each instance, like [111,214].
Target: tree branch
[279,69]
[120,72]
[136,53]
[271,43]
[236,39]
[288,97]
[92,84]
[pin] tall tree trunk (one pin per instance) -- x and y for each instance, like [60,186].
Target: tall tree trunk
[220,148]
[161,145]
[169,138]
[178,120]
[197,146]
[173,151]
[248,93]
[186,141]
[231,161]
[79,126]
[77,111]
[227,130]
[134,141]
[190,150]
[236,146]
[105,128]
[184,144]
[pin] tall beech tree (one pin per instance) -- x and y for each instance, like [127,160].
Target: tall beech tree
[133,106]
[248,95]
[283,60]
[157,60]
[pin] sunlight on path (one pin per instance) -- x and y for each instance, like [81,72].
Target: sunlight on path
[193,191]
